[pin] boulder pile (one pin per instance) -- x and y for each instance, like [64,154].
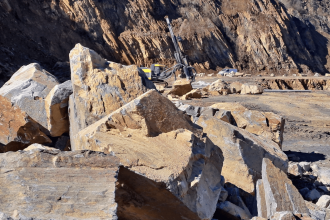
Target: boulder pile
[108,145]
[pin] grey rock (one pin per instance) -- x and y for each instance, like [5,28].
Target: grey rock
[280,193]
[306,166]
[208,111]
[261,202]
[312,195]
[223,195]
[295,169]
[317,212]
[193,111]
[234,210]
[28,88]
[323,201]
[235,198]
[286,215]
[304,191]
[225,116]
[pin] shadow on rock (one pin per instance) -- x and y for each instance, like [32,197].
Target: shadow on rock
[308,157]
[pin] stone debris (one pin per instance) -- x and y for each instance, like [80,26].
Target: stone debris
[219,87]
[100,87]
[181,87]
[28,88]
[266,124]
[249,89]
[324,201]
[193,94]
[234,210]
[317,212]
[243,152]
[56,105]
[235,87]
[306,166]
[312,195]
[295,169]
[283,216]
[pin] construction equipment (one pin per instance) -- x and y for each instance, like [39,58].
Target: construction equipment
[158,73]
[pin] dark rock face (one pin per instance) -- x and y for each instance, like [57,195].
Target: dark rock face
[284,36]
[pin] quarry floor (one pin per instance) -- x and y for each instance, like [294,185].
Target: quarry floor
[307,115]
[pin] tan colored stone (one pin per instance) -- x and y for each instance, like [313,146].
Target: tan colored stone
[39,147]
[317,212]
[235,87]
[100,87]
[283,216]
[28,88]
[144,135]
[243,152]
[193,94]
[181,87]
[49,184]
[295,169]
[17,128]
[266,124]
[251,89]
[280,194]
[160,88]
[261,202]
[56,105]
[219,86]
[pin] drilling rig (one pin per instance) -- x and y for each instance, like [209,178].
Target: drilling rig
[159,73]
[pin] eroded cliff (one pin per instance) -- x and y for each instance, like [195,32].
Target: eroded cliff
[258,35]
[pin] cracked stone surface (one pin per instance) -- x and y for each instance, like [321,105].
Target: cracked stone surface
[152,138]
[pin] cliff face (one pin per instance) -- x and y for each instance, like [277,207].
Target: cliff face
[258,35]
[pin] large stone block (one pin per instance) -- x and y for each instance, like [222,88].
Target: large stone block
[28,88]
[17,128]
[266,124]
[152,138]
[100,87]
[49,184]
[181,87]
[243,152]
[280,194]
[56,104]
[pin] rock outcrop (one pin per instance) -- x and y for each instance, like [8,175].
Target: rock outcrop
[17,128]
[257,36]
[100,87]
[243,152]
[28,88]
[49,184]
[266,124]
[145,134]
[57,104]
[296,84]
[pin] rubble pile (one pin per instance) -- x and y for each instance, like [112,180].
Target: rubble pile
[108,145]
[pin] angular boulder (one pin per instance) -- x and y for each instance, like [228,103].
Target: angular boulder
[193,94]
[280,194]
[56,105]
[28,88]
[100,87]
[317,212]
[243,152]
[145,134]
[266,124]
[283,216]
[181,87]
[324,201]
[220,87]
[251,89]
[261,202]
[17,128]
[234,210]
[235,87]
[50,184]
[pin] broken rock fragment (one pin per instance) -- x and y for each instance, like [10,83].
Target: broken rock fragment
[243,152]
[181,87]
[17,128]
[280,194]
[145,134]
[251,89]
[100,87]
[56,105]
[266,124]
[28,88]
